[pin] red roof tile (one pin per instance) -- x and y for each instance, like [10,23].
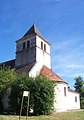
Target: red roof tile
[51,75]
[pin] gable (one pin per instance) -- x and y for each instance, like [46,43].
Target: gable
[51,75]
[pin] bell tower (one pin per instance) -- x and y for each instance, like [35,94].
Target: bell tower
[32,47]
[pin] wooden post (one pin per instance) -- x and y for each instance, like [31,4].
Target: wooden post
[21,107]
[25,94]
[27,106]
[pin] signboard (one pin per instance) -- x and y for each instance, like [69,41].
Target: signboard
[26,93]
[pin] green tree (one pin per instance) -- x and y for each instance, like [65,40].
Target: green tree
[41,94]
[44,95]
[23,83]
[7,75]
[79,84]
[79,87]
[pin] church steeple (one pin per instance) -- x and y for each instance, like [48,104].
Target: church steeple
[32,47]
[33,30]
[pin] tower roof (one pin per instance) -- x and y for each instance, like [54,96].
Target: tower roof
[33,30]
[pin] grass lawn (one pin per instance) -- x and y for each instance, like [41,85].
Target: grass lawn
[79,115]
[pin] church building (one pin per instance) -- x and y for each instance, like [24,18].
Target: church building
[33,57]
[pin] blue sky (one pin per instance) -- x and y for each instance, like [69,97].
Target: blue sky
[61,22]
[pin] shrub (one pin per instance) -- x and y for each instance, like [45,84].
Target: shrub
[7,75]
[44,96]
[41,94]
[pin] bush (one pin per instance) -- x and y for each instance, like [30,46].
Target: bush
[7,75]
[44,96]
[79,87]
[82,103]
[41,95]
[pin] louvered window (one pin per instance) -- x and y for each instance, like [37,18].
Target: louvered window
[28,44]
[41,45]
[23,45]
[45,47]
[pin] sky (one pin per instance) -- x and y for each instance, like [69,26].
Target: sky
[61,22]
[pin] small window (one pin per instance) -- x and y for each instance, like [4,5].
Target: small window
[42,45]
[75,98]
[28,44]
[64,91]
[17,47]
[23,45]
[45,47]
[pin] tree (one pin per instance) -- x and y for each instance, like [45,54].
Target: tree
[41,94]
[79,87]
[22,83]
[7,75]
[44,95]
[79,84]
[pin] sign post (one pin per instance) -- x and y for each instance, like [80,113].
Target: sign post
[25,94]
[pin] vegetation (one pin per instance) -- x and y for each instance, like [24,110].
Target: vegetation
[41,94]
[57,116]
[79,87]
[7,75]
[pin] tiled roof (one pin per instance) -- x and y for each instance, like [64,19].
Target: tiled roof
[25,69]
[51,75]
[21,69]
[10,63]
[31,32]
[70,90]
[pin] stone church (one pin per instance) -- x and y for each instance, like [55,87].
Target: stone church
[33,57]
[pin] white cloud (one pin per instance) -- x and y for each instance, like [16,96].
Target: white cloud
[68,58]
[74,66]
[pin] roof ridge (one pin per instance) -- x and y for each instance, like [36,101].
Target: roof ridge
[54,77]
[33,30]
[71,90]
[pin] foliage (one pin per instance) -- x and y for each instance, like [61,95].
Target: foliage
[44,95]
[79,87]
[82,103]
[41,94]
[7,75]
[18,86]
[79,84]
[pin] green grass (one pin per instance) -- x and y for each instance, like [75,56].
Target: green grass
[79,115]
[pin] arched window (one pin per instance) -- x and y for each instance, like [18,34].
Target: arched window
[28,44]
[41,45]
[45,47]
[23,45]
